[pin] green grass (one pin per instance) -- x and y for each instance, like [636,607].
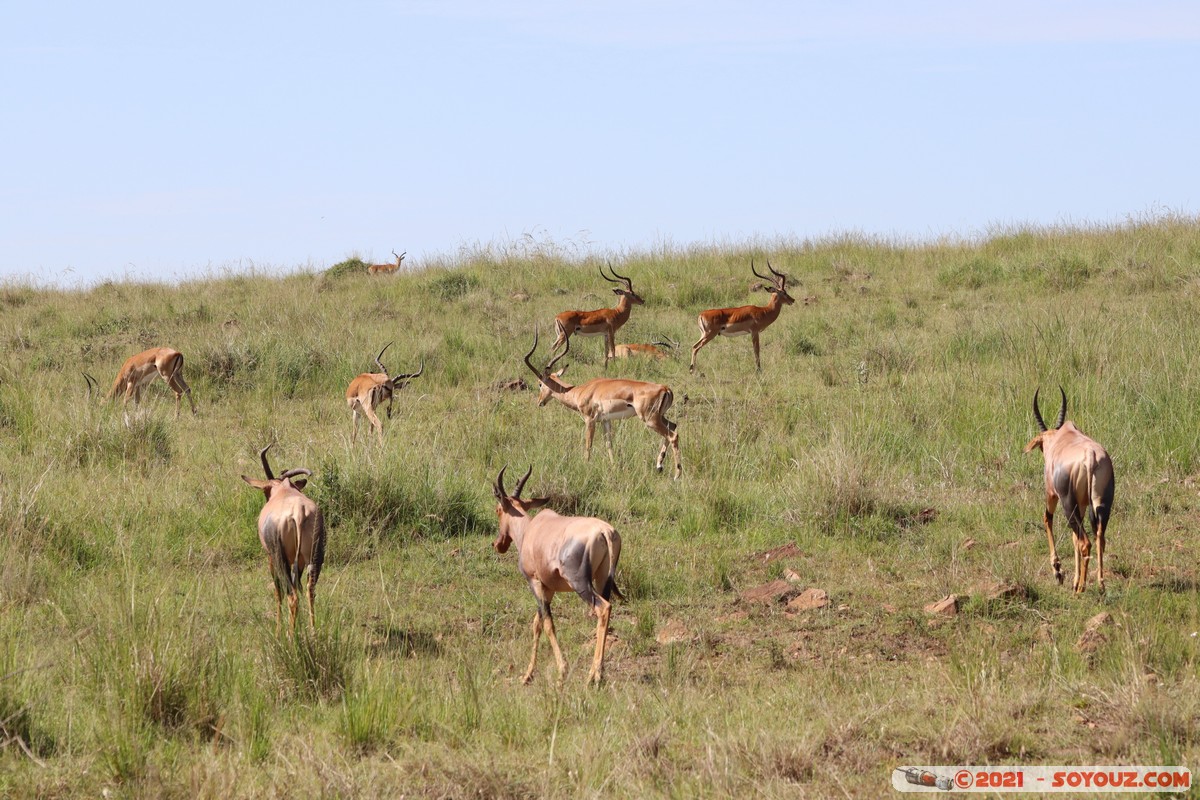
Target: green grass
[137,652]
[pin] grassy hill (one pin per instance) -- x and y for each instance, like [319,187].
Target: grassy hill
[876,457]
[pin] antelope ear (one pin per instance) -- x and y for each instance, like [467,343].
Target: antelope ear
[536,502]
[257,484]
[300,484]
[618,291]
[1036,442]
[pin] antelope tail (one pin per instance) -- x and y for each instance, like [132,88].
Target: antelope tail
[610,585]
[280,572]
[661,405]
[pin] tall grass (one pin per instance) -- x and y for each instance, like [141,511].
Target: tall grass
[877,456]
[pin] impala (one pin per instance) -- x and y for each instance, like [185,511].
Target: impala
[656,349]
[606,399]
[744,319]
[559,554]
[603,321]
[375,269]
[1079,475]
[292,532]
[140,370]
[370,389]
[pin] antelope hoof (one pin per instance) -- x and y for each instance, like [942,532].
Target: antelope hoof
[527,678]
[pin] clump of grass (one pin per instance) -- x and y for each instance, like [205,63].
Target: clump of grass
[19,727]
[368,718]
[146,441]
[351,266]
[313,665]
[397,503]
[232,363]
[452,285]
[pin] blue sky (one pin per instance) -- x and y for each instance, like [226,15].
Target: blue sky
[171,140]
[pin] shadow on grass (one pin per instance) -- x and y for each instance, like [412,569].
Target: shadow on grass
[411,643]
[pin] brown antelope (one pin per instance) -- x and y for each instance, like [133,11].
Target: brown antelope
[559,554]
[375,269]
[140,370]
[653,350]
[1079,475]
[369,389]
[292,532]
[603,321]
[744,319]
[606,399]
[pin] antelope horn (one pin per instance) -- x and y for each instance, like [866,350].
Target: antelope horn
[757,275]
[1037,414]
[262,454]
[379,363]
[498,486]
[555,360]
[628,282]
[521,483]
[291,473]
[530,364]
[91,383]
[602,275]
[782,282]
[1062,414]
[416,374]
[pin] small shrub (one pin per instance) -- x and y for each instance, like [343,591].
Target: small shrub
[351,266]
[312,666]
[452,285]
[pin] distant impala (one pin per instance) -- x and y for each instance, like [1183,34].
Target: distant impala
[744,319]
[601,322]
[375,269]
[1079,475]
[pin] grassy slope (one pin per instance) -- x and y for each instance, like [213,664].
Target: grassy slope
[135,611]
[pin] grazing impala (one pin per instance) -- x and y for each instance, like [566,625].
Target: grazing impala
[601,322]
[559,554]
[370,389]
[606,399]
[292,532]
[1079,475]
[375,269]
[744,319]
[138,371]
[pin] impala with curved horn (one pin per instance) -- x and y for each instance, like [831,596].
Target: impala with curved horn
[375,269]
[559,554]
[140,370]
[603,321]
[745,319]
[1079,476]
[292,532]
[369,389]
[606,399]
[657,349]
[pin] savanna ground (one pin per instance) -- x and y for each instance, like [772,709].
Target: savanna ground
[877,457]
